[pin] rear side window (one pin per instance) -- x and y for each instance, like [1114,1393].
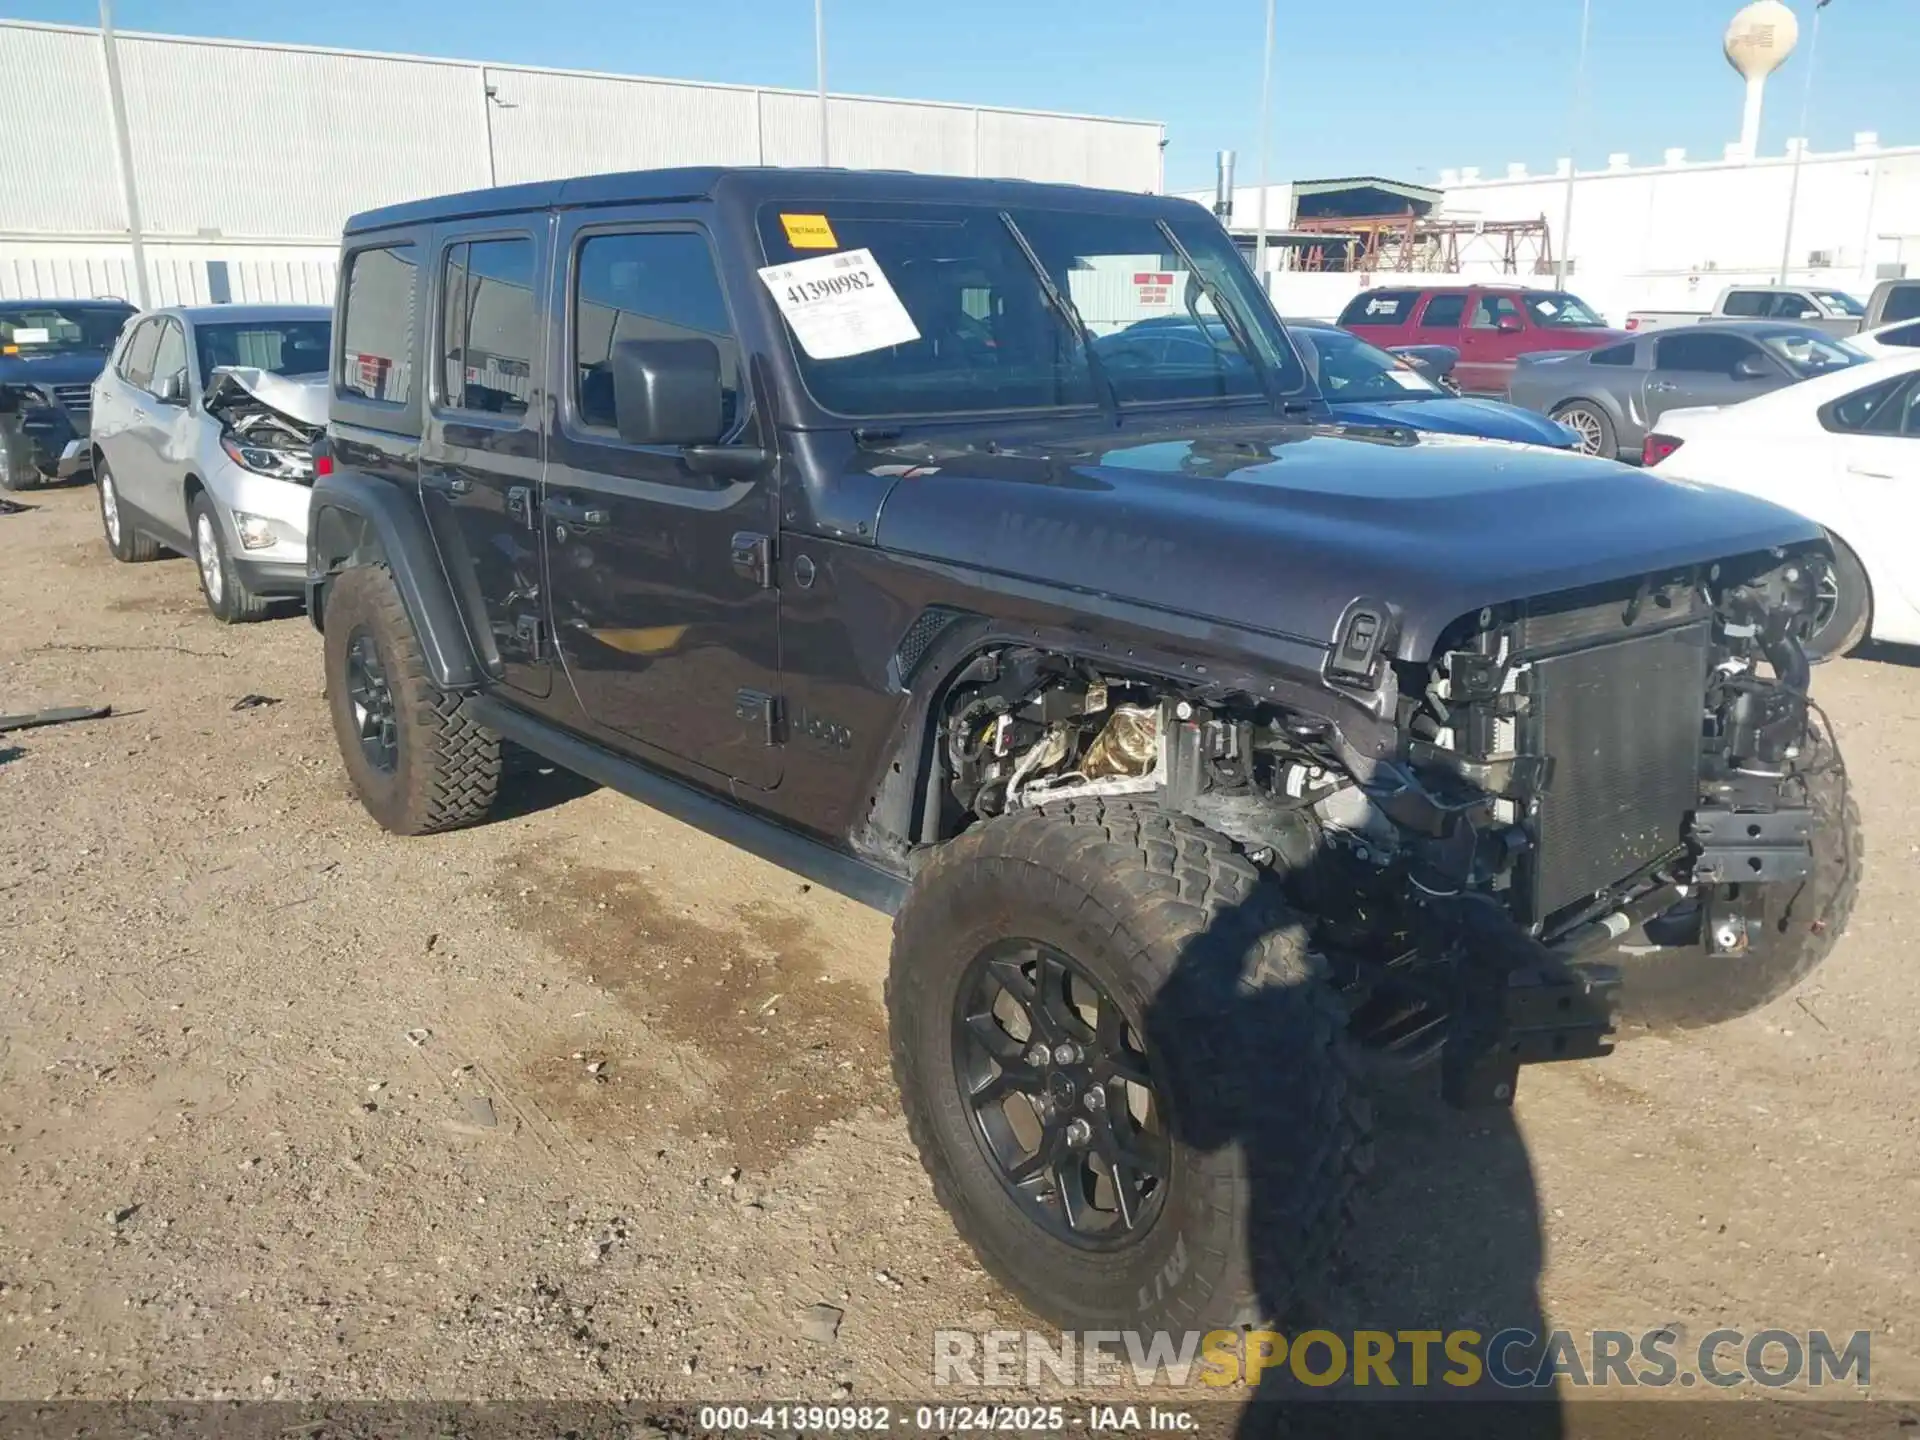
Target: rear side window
[1380,307]
[648,285]
[1707,354]
[488,326]
[1748,303]
[1613,355]
[1444,311]
[376,342]
[136,362]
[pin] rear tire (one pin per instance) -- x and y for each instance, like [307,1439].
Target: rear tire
[127,544]
[1844,616]
[418,761]
[1591,424]
[227,595]
[1686,987]
[1255,1115]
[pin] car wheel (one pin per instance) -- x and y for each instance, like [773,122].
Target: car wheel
[1124,1073]
[1678,984]
[228,597]
[128,545]
[1844,608]
[418,761]
[1590,423]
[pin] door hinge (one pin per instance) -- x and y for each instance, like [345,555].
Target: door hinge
[761,710]
[753,557]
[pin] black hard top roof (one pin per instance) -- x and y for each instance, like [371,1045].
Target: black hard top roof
[752,185]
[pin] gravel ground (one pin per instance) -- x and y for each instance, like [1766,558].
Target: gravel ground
[584,1104]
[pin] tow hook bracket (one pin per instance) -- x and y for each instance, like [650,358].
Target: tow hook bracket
[1752,847]
[1544,1015]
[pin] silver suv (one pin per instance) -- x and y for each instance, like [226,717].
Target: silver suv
[202,428]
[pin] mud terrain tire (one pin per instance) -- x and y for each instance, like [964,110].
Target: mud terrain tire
[1256,1091]
[418,761]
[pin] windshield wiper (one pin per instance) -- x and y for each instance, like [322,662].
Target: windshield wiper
[1063,306]
[1230,317]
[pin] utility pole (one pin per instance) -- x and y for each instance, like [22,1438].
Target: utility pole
[1800,146]
[1573,142]
[820,69]
[1266,126]
[123,153]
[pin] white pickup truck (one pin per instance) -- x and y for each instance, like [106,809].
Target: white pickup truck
[1824,308]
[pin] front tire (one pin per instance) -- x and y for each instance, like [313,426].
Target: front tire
[418,761]
[1844,612]
[227,595]
[1130,984]
[1593,426]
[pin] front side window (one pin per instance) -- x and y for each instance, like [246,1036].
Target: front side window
[376,350]
[1701,354]
[1808,352]
[970,326]
[1838,302]
[169,356]
[1445,312]
[1557,310]
[646,285]
[1490,310]
[1348,368]
[136,361]
[487,328]
[284,347]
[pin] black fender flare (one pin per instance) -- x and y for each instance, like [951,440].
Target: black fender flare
[355,519]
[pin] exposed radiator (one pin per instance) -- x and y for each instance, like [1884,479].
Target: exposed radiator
[1622,722]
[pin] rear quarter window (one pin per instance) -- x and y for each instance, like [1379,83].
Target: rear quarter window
[1613,355]
[1379,307]
[376,331]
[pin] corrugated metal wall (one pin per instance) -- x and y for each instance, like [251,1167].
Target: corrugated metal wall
[241,149]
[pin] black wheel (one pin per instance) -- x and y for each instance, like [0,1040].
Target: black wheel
[128,545]
[1845,607]
[1125,1076]
[418,761]
[1679,985]
[227,595]
[1590,423]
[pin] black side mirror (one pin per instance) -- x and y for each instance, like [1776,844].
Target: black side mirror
[667,392]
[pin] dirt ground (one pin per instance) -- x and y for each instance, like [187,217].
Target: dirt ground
[583,1103]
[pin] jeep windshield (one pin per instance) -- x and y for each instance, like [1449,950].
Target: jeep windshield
[981,330]
[43,328]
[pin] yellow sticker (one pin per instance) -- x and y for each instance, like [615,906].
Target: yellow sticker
[809,232]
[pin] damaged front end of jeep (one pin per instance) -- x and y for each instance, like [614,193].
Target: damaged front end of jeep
[1477,837]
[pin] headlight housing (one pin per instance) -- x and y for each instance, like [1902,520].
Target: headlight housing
[294,465]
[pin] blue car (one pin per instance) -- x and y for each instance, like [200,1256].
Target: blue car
[1361,383]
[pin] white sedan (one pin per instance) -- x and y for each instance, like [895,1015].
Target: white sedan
[1844,450]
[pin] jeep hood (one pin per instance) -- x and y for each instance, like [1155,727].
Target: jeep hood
[1278,528]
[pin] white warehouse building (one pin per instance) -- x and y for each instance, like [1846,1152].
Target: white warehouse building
[241,160]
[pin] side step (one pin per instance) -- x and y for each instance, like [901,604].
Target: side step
[853,877]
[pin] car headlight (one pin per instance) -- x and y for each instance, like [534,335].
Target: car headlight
[256,531]
[263,460]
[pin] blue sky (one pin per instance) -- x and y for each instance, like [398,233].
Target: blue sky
[1395,87]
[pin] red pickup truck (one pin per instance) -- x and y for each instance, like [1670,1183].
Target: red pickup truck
[1490,325]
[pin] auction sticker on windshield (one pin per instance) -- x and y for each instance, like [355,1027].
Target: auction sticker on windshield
[839,305]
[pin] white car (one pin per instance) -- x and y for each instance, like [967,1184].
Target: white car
[1844,450]
[1902,337]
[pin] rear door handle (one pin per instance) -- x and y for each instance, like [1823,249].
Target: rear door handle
[572,512]
[444,483]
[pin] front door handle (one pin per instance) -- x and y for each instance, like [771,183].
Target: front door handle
[445,483]
[1661,385]
[572,512]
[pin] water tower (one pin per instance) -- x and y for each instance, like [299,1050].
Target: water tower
[1758,43]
